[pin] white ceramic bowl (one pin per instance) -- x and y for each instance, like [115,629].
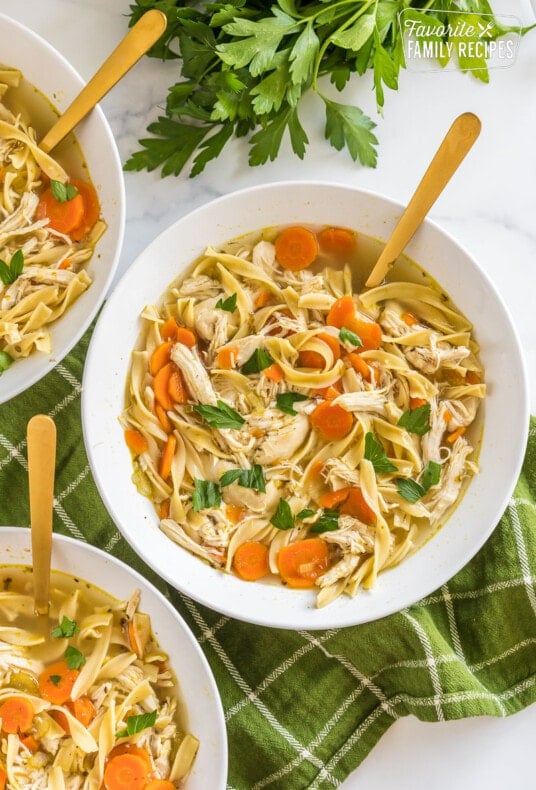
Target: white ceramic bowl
[46,69]
[198,688]
[503,442]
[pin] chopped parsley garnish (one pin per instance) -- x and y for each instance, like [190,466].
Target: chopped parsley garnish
[375,453]
[412,491]
[63,192]
[220,416]
[346,336]
[5,361]
[328,522]
[136,724]
[55,679]
[285,401]
[247,478]
[10,271]
[206,494]
[228,304]
[74,658]
[305,513]
[283,518]
[416,420]
[259,360]
[65,629]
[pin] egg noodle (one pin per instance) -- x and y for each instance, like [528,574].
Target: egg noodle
[52,276]
[286,427]
[82,697]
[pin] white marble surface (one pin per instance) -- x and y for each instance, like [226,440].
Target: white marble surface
[490,207]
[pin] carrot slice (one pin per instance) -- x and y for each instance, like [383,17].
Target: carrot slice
[16,714]
[56,682]
[91,209]
[163,419]
[333,498]
[250,561]
[359,365]
[329,393]
[341,311]
[301,563]
[262,299]
[159,784]
[414,403]
[131,748]
[274,372]
[339,242]
[164,509]
[136,441]
[296,248]
[3,778]
[168,330]
[83,709]
[167,457]
[234,513]
[31,743]
[226,357]
[451,438]
[62,216]
[369,332]
[160,357]
[160,387]
[356,506]
[186,336]
[177,388]
[472,377]
[125,772]
[331,421]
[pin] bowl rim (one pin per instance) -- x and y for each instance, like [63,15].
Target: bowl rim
[47,362]
[209,682]
[219,603]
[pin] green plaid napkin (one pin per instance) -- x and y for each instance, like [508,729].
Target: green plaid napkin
[303,709]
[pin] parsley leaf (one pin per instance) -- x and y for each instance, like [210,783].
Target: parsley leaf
[347,125]
[346,336]
[63,192]
[220,416]
[416,420]
[206,494]
[247,478]
[375,453]
[285,401]
[228,304]
[328,522]
[259,360]
[283,518]
[55,679]
[5,361]
[10,272]
[74,658]
[138,723]
[412,491]
[65,629]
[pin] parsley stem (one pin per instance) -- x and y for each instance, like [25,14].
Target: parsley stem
[349,21]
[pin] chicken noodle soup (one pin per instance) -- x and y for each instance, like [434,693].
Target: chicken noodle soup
[287,426]
[49,225]
[88,696]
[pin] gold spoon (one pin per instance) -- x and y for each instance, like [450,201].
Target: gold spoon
[41,437]
[450,154]
[137,41]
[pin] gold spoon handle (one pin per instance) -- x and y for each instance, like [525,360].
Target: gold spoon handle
[137,41]
[41,436]
[450,154]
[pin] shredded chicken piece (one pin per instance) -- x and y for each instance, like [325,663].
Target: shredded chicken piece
[195,374]
[429,360]
[284,435]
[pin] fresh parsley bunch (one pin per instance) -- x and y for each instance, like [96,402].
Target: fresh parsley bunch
[246,64]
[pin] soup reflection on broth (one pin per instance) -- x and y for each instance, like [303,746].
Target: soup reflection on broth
[87,695]
[291,426]
[49,222]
